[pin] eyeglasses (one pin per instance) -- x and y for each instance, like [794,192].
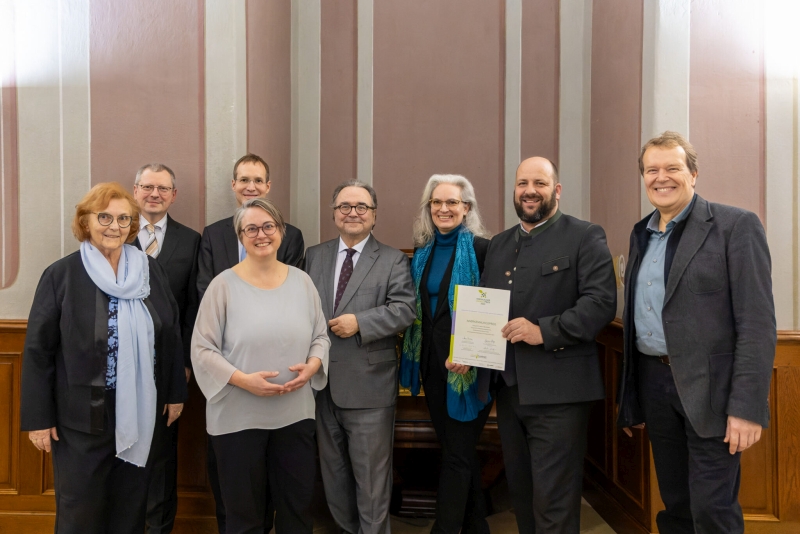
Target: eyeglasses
[163,190]
[451,203]
[105,219]
[361,209]
[246,181]
[251,231]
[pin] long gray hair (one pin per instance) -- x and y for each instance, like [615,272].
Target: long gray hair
[423,225]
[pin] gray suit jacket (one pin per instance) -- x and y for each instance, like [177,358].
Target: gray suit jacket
[363,368]
[718,318]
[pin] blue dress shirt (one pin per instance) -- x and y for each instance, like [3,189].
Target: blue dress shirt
[650,287]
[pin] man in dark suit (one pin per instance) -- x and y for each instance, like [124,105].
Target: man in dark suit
[220,249]
[174,246]
[563,292]
[699,340]
[367,297]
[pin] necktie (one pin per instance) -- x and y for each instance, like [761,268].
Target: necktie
[344,277]
[152,245]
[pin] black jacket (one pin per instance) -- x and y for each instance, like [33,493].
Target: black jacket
[219,250]
[564,282]
[178,257]
[718,318]
[437,324]
[66,348]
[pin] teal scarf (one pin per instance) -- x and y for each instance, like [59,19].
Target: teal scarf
[463,403]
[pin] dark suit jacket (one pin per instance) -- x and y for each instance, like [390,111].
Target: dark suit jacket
[66,348]
[437,324]
[219,250]
[718,317]
[565,283]
[363,367]
[178,257]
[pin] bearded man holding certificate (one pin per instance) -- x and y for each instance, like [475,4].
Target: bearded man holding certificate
[563,292]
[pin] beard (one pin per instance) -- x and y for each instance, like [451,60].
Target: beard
[546,207]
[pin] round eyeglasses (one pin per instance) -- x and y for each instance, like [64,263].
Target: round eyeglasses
[361,209]
[251,230]
[162,189]
[105,219]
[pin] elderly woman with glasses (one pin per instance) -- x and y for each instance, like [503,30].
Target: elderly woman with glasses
[450,246]
[102,361]
[259,347]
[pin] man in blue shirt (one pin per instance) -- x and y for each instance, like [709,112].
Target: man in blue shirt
[699,340]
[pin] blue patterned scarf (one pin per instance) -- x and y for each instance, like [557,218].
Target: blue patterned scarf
[463,403]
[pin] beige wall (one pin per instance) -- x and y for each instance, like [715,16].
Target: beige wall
[405,90]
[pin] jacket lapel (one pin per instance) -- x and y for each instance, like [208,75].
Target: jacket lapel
[231,243]
[697,228]
[170,242]
[329,271]
[365,262]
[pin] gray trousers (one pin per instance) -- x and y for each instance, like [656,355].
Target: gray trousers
[355,452]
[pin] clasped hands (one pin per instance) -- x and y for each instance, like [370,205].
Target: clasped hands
[344,326]
[258,383]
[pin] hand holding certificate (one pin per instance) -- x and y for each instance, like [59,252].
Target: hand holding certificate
[479,315]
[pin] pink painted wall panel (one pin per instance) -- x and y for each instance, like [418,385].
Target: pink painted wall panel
[438,105]
[726,107]
[148,103]
[9,177]
[269,96]
[540,78]
[338,104]
[617,27]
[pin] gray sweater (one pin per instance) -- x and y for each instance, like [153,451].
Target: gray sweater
[240,326]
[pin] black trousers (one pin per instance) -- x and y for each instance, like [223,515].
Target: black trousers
[543,450]
[698,477]
[460,503]
[284,458]
[96,492]
[219,505]
[162,495]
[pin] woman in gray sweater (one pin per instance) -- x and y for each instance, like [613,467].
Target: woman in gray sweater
[260,345]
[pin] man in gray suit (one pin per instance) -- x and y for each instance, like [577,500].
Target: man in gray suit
[368,297]
[699,340]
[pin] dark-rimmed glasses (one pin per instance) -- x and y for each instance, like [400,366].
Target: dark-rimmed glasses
[251,230]
[361,209]
[162,189]
[451,203]
[105,219]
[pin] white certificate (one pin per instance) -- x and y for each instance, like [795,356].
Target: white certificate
[479,315]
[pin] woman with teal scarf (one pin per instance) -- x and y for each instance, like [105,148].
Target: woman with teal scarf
[451,245]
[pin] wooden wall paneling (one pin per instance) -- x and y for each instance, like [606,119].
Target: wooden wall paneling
[786,412]
[9,423]
[758,498]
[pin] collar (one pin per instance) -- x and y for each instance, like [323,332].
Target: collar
[538,229]
[162,224]
[655,218]
[358,246]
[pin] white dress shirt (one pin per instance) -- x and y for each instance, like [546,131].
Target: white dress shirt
[340,261]
[160,230]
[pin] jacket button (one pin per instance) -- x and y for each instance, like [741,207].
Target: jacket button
[510,281]
[555,267]
[508,273]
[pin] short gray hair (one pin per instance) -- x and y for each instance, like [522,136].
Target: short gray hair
[261,203]
[354,183]
[424,228]
[154,167]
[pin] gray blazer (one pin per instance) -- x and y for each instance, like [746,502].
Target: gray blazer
[718,317]
[363,368]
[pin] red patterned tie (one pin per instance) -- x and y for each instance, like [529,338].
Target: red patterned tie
[344,277]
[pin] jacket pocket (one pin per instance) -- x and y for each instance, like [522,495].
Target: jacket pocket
[555,266]
[705,273]
[382,350]
[720,372]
